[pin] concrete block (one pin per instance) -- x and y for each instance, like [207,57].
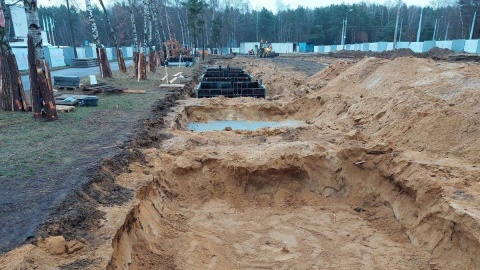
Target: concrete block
[458,45]
[427,45]
[471,46]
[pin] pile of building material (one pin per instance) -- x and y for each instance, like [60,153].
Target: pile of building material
[101,88]
[66,82]
[85,62]
[67,102]
[229,82]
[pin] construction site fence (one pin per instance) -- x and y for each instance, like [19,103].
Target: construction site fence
[59,57]
[458,45]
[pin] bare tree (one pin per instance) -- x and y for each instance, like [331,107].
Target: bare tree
[121,62]
[12,95]
[105,70]
[42,94]
[135,40]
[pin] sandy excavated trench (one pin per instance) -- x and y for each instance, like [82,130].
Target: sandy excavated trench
[246,202]
[384,176]
[338,193]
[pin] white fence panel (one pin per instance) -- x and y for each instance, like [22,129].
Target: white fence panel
[57,58]
[471,46]
[21,54]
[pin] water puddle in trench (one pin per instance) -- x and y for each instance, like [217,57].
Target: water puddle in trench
[240,125]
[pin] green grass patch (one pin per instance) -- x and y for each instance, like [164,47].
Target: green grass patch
[30,147]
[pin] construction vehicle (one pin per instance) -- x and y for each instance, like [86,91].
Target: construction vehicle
[266,50]
[176,54]
[200,52]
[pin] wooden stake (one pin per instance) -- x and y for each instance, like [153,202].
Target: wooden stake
[166,73]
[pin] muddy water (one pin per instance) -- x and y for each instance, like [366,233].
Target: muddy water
[240,125]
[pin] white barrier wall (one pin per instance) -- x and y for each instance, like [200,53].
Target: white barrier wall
[471,46]
[283,47]
[459,45]
[247,46]
[57,59]
[444,44]
[21,54]
[81,53]
[416,47]
[109,53]
[129,52]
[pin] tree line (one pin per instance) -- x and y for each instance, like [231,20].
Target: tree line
[219,22]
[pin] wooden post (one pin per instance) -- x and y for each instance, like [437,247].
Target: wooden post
[166,74]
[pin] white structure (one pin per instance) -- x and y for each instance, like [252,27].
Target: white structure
[19,22]
[284,47]
[247,46]
[19,27]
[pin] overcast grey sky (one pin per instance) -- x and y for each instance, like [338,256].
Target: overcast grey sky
[258,4]
[271,4]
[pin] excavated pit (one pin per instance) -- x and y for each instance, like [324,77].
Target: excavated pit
[382,173]
[274,199]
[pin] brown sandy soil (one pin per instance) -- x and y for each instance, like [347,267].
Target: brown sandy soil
[384,175]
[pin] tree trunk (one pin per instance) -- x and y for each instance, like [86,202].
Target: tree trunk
[105,70]
[136,58]
[158,47]
[42,98]
[142,69]
[38,81]
[134,27]
[142,73]
[104,65]
[135,41]
[152,61]
[159,58]
[121,62]
[48,76]
[145,24]
[12,95]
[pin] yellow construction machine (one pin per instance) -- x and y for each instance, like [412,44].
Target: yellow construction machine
[265,50]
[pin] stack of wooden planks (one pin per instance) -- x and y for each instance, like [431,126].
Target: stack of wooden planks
[101,88]
[85,62]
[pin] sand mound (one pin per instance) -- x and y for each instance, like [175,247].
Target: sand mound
[384,173]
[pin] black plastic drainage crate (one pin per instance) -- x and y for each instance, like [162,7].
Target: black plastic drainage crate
[229,89]
[89,101]
[66,81]
[229,82]
[233,78]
